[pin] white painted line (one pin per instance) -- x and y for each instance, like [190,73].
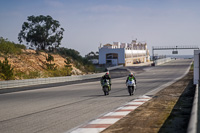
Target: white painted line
[141,99]
[135,103]
[117,113]
[104,121]
[119,108]
[88,130]
[130,107]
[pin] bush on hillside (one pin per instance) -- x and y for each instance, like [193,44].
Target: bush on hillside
[50,66]
[68,66]
[28,75]
[58,72]
[21,46]
[8,47]
[6,71]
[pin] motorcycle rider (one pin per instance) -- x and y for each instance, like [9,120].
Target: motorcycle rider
[130,77]
[106,76]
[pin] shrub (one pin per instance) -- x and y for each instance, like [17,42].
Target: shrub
[21,46]
[58,72]
[49,65]
[6,71]
[18,74]
[8,47]
[33,74]
[29,75]
[68,67]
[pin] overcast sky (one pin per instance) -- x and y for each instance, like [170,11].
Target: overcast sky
[88,23]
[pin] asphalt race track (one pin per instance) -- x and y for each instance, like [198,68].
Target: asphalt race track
[62,107]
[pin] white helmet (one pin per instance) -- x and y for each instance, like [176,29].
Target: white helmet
[131,74]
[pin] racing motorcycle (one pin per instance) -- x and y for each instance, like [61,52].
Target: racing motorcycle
[106,87]
[131,86]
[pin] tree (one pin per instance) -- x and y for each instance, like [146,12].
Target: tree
[92,55]
[49,65]
[41,31]
[6,71]
[68,62]
[68,66]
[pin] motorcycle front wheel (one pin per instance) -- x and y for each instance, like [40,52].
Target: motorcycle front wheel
[130,90]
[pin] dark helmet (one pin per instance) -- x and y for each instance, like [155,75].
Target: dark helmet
[107,75]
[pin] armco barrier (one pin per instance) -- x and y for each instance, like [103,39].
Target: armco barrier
[29,82]
[161,61]
[192,126]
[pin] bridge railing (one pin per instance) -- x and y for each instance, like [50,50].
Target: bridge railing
[39,81]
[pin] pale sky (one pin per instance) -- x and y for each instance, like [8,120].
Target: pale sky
[88,23]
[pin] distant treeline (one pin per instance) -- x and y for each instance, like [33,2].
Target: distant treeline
[81,63]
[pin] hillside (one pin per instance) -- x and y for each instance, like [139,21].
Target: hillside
[18,62]
[30,62]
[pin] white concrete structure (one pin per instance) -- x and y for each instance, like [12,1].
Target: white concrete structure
[196,66]
[123,53]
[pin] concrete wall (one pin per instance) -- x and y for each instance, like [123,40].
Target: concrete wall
[161,61]
[196,66]
[29,82]
[104,51]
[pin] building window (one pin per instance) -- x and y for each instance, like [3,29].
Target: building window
[112,56]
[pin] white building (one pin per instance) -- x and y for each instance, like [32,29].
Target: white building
[123,53]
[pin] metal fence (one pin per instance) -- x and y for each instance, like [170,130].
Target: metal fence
[39,81]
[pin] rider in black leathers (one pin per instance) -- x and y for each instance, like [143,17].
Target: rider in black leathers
[106,76]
